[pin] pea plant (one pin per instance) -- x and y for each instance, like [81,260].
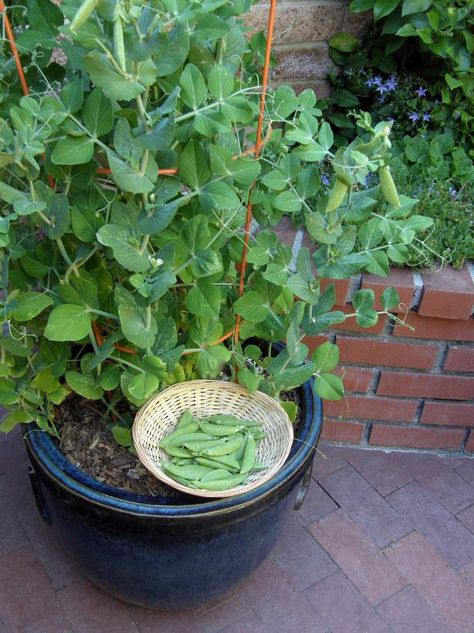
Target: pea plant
[123,197]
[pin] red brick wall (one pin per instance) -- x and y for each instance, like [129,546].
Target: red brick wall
[408,388]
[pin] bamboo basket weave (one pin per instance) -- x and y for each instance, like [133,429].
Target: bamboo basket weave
[158,417]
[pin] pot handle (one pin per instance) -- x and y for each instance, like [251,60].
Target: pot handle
[39,496]
[303,489]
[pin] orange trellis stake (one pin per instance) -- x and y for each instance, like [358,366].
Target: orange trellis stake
[248,219]
[253,150]
[13,48]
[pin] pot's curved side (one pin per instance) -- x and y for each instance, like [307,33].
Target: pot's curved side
[169,556]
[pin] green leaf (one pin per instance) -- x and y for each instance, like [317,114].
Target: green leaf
[292,377]
[68,323]
[344,266]
[322,322]
[325,357]
[344,42]
[83,385]
[218,195]
[13,418]
[378,263]
[193,87]
[127,178]
[276,274]
[275,180]
[122,435]
[303,288]
[45,381]
[163,216]
[384,7]
[390,298]
[143,386]
[171,50]
[290,407]
[252,307]
[363,302]
[329,387]
[109,378]
[325,136]
[248,379]
[125,245]
[137,328]
[220,82]
[159,138]
[30,304]
[59,215]
[288,201]
[73,150]
[204,300]
[112,83]
[312,152]
[98,114]
[193,165]
[85,223]
[415,6]
[72,95]
[211,360]
[357,6]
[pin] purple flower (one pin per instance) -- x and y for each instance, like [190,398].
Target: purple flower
[377,80]
[421,92]
[391,83]
[325,180]
[426,116]
[370,82]
[414,116]
[381,88]
[452,192]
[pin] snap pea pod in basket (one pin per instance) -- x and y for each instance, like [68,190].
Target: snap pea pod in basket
[213,453]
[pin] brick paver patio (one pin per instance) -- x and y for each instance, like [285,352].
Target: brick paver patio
[383,544]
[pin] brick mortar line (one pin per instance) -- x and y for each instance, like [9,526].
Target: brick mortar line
[441,357]
[399,424]
[375,381]
[433,371]
[446,452]
[389,338]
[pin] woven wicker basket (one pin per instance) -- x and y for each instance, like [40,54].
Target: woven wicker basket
[159,416]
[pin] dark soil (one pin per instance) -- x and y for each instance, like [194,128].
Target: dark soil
[89,445]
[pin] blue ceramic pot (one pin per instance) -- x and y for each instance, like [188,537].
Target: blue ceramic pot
[172,552]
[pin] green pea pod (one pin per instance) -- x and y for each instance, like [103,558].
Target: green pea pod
[258,466]
[184,430]
[250,454]
[239,453]
[224,461]
[224,448]
[196,446]
[184,461]
[185,419]
[119,46]
[228,418]
[83,14]
[184,438]
[192,472]
[222,484]
[388,187]
[218,429]
[213,475]
[337,196]
[257,434]
[176,451]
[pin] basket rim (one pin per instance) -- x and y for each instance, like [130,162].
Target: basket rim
[156,470]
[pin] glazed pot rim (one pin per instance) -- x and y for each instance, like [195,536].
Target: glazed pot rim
[48,457]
